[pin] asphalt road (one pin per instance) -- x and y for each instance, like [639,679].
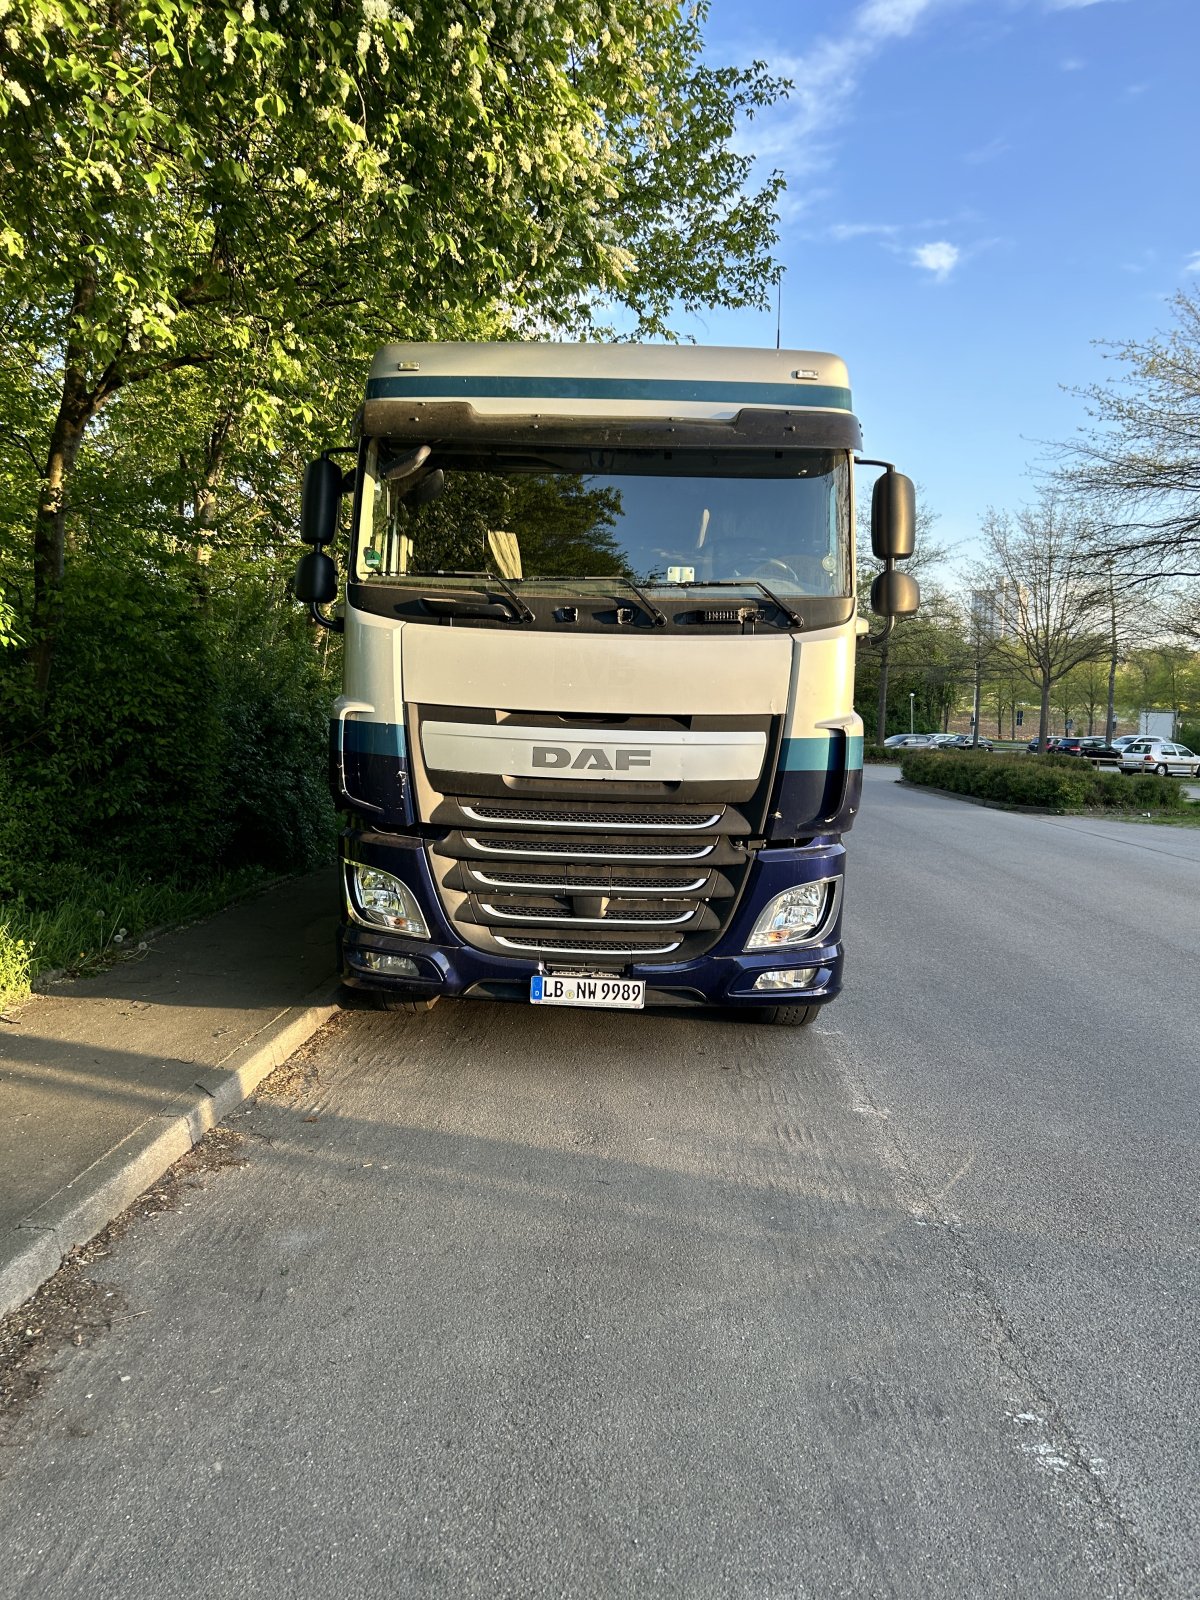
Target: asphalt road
[588,1304]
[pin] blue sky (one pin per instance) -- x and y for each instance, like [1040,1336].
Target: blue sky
[977,191]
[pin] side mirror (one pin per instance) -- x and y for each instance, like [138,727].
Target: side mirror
[894,594]
[893,518]
[320,502]
[316,581]
[430,486]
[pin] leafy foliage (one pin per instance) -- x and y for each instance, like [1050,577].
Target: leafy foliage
[1066,784]
[210,215]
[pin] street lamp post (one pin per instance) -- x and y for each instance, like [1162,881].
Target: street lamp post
[912,707]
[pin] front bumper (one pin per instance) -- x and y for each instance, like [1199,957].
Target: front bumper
[723,976]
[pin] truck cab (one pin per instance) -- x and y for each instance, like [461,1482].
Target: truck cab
[597,742]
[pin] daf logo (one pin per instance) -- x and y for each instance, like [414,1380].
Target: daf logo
[590,759]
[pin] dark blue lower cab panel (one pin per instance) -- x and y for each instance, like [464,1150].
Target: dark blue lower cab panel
[471,974]
[725,976]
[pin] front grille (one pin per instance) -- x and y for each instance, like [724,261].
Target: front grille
[596,850]
[673,817]
[578,870]
[584,946]
[579,881]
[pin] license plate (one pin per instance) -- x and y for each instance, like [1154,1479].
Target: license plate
[626,994]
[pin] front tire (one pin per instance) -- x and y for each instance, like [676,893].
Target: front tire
[408,1008]
[786,1016]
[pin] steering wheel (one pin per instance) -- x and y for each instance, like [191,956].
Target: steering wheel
[772,569]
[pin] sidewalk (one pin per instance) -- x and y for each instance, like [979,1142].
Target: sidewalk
[106,1081]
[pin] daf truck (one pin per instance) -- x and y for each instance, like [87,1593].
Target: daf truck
[597,743]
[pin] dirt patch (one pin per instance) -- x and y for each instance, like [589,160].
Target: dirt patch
[73,1307]
[294,1080]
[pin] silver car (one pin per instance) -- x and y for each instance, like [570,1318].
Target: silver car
[1160,756]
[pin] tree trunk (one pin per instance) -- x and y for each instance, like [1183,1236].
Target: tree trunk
[1110,720]
[1044,715]
[50,533]
[79,403]
[204,503]
[881,713]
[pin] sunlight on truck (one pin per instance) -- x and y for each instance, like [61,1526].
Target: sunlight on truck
[597,743]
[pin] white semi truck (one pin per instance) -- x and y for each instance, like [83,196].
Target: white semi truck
[597,743]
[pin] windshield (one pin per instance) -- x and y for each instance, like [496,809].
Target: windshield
[664,519]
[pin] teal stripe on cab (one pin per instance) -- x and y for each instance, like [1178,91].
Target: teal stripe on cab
[798,395]
[813,755]
[374,738]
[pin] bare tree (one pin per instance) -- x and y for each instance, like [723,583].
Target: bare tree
[1049,598]
[1136,464]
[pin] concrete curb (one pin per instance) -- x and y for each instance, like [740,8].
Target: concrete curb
[36,1248]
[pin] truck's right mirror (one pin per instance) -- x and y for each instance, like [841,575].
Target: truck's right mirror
[316,580]
[893,517]
[895,594]
[320,501]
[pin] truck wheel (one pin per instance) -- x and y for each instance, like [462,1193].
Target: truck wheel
[787,1016]
[396,1002]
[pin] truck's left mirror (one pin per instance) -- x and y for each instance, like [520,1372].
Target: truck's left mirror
[320,500]
[316,578]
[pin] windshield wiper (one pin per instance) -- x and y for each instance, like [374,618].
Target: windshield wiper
[657,617]
[794,617]
[520,610]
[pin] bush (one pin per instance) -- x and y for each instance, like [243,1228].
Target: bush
[1068,784]
[14,966]
[184,739]
[881,755]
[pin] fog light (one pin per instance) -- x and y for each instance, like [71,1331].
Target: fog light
[793,917]
[395,966]
[789,978]
[378,900]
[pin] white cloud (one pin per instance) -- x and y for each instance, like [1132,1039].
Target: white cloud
[842,231]
[1194,264]
[987,152]
[825,80]
[1071,5]
[1071,64]
[939,258]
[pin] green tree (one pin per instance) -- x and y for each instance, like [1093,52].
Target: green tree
[266,193]
[879,649]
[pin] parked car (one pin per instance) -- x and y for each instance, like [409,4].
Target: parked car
[1160,756]
[1069,746]
[910,741]
[1051,744]
[1122,741]
[962,741]
[1096,750]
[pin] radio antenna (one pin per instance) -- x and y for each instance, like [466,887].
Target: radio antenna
[778,305]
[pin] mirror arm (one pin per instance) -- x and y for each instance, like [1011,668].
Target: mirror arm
[334,624]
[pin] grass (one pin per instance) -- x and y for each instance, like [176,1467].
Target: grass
[81,921]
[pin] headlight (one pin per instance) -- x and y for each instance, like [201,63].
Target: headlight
[381,901]
[791,918]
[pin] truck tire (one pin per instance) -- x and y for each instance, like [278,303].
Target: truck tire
[396,1002]
[787,1016]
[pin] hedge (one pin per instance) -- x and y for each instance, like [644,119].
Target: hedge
[1070,785]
